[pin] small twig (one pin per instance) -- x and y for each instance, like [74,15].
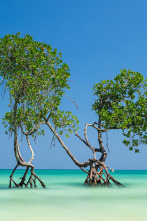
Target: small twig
[72,101]
[107,142]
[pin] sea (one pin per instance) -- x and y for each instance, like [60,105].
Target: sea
[67,199]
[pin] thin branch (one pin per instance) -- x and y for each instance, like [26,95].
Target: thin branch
[110,169]
[98,129]
[33,130]
[81,139]
[72,101]
[48,116]
[24,133]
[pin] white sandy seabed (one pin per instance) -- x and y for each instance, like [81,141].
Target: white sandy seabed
[67,199]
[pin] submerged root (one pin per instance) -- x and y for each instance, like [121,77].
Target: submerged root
[11,177]
[98,175]
[31,181]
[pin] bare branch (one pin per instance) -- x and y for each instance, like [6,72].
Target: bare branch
[32,158]
[72,101]
[85,133]
[24,133]
[85,164]
[98,129]
[81,138]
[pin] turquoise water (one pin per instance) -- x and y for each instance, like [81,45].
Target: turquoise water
[67,199]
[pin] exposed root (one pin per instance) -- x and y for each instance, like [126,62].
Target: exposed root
[11,177]
[22,182]
[41,182]
[98,175]
[31,181]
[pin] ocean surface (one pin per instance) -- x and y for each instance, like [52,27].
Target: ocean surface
[67,199]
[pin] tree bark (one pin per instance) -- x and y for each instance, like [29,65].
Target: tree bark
[98,173]
[85,164]
[20,160]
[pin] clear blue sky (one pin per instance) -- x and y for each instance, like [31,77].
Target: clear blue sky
[97,38]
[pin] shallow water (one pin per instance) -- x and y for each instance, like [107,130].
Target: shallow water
[67,199]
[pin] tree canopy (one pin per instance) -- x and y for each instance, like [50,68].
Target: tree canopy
[122,104]
[35,75]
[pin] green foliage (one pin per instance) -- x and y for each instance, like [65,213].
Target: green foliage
[36,77]
[122,104]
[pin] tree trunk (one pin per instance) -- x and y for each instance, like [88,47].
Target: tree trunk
[21,161]
[98,173]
